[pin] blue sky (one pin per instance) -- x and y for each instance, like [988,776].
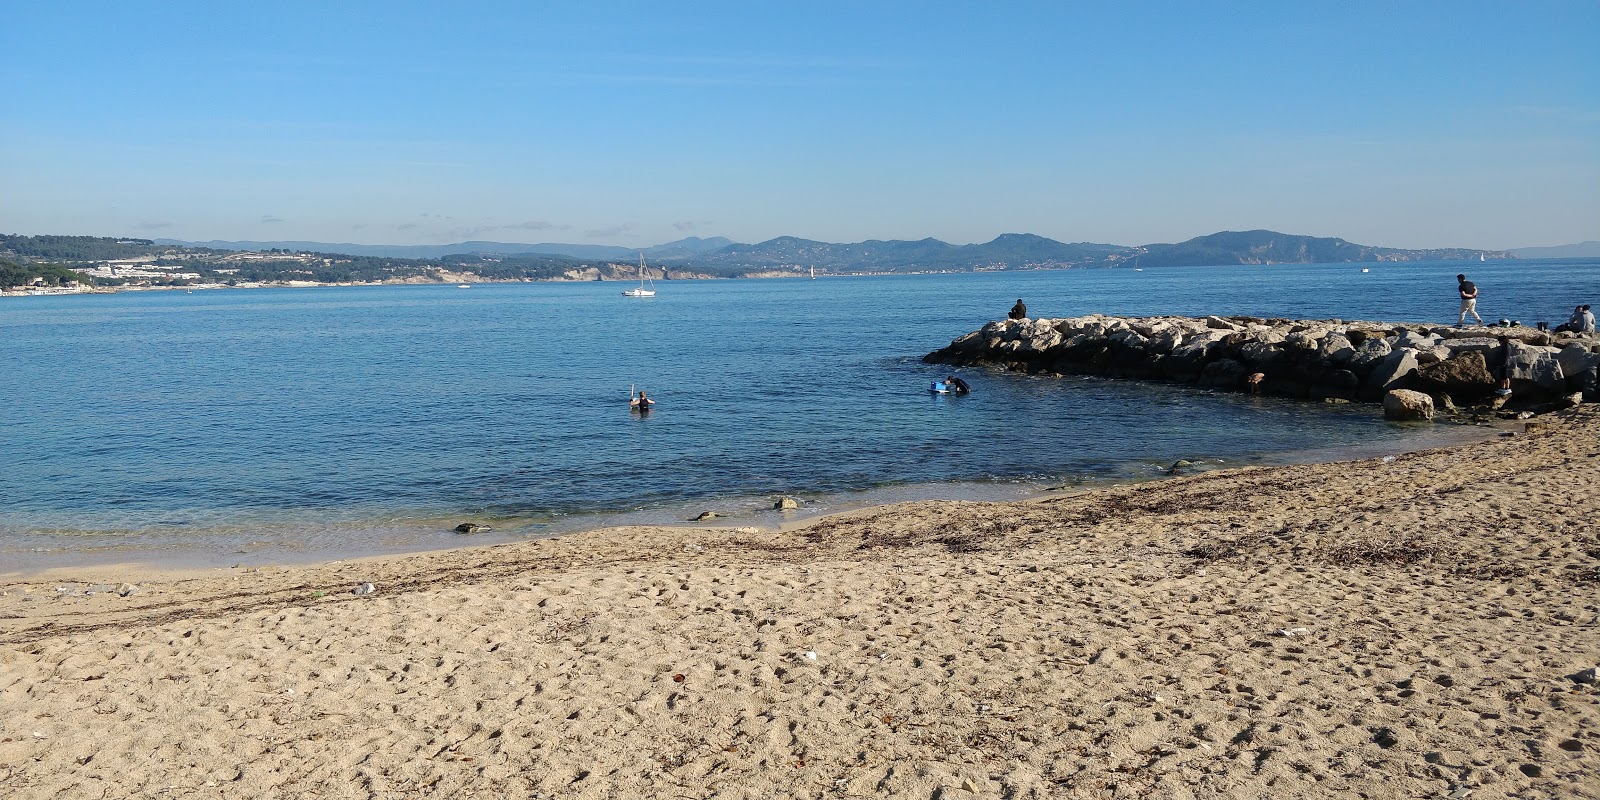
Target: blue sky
[1400,124]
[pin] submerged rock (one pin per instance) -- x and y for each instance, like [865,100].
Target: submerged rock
[472,527]
[786,503]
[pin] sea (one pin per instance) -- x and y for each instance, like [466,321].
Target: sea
[267,426]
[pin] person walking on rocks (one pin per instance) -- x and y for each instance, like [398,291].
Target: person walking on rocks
[1469,300]
[1018,311]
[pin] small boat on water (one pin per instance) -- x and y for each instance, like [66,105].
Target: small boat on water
[1364,269]
[463,286]
[644,282]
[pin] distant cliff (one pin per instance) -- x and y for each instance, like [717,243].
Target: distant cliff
[1589,249]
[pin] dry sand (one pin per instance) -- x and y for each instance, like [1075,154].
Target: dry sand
[1397,627]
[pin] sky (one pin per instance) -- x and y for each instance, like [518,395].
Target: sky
[1401,124]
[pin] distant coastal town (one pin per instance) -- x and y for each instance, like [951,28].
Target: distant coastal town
[39,265]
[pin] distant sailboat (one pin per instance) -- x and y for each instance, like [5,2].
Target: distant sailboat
[1481,257]
[642,291]
[813,273]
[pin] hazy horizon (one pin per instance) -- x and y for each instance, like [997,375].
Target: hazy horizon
[1410,125]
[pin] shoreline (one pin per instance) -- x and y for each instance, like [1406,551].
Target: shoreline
[1410,626]
[248,549]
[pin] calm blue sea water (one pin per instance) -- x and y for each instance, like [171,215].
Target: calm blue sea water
[304,423]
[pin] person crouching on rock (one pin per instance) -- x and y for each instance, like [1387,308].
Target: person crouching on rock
[1018,311]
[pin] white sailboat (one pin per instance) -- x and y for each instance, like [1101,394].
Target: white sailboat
[642,291]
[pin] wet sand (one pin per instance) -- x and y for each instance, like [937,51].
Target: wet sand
[1390,627]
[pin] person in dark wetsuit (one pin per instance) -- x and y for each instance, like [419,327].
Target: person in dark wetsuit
[641,403]
[1018,311]
[956,385]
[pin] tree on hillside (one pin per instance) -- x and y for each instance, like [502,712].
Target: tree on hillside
[13,274]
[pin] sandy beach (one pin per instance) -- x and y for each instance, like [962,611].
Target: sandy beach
[1411,626]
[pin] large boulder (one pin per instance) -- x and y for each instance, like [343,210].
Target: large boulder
[1166,341]
[1040,342]
[1576,359]
[1536,365]
[1336,349]
[1185,362]
[1371,351]
[1262,355]
[1432,355]
[1404,404]
[1398,370]
[1493,351]
[1464,377]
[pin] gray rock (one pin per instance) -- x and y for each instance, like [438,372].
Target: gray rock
[1336,349]
[1220,324]
[1416,340]
[1166,341]
[1576,359]
[1590,676]
[1369,353]
[1432,355]
[1464,376]
[786,503]
[1262,354]
[706,515]
[1398,370]
[1178,467]
[1039,343]
[1536,365]
[127,589]
[1493,352]
[365,589]
[1404,404]
[1570,400]
[472,527]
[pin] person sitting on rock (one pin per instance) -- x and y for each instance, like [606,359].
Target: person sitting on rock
[1018,311]
[1574,323]
[1586,321]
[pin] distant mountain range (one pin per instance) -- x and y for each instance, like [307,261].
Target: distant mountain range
[1270,247]
[1589,249]
[718,255]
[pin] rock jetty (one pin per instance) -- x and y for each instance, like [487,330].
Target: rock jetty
[1329,360]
